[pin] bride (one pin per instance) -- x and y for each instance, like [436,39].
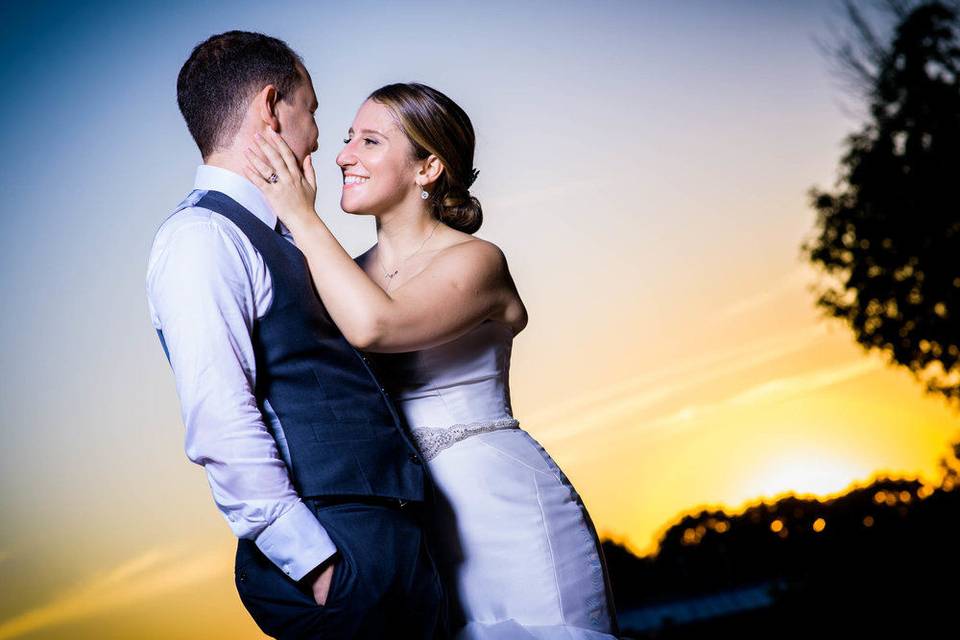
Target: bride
[436,310]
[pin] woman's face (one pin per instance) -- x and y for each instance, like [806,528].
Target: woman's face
[377,163]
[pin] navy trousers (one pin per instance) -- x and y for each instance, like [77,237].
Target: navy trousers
[384,584]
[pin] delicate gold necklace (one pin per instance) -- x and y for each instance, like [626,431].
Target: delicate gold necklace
[389,276]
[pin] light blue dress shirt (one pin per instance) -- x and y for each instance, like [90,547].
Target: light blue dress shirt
[206,284]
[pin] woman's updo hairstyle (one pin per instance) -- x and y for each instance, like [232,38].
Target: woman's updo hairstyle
[436,125]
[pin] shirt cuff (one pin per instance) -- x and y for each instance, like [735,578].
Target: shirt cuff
[296,542]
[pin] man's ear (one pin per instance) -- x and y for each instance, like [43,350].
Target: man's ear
[265,106]
[430,170]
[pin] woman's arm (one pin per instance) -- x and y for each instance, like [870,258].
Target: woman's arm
[461,287]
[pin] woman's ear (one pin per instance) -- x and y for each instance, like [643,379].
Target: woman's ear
[430,170]
[265,105]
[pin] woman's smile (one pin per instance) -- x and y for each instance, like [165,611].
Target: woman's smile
[352,180]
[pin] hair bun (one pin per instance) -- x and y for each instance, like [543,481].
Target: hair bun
[461,212]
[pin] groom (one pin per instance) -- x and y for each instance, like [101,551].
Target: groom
[307,458]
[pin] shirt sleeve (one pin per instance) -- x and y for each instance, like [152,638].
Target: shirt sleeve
[202,299]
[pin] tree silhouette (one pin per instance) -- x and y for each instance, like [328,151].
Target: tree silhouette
[950,466]
[888,237]
[879,558]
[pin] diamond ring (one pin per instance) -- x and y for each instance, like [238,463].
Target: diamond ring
[273,178]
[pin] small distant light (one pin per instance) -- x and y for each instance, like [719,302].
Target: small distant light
[880,497]
[721,527]
[905,496]
[819,525]
[776,526]
[924,491]
[868,521]
[690,536]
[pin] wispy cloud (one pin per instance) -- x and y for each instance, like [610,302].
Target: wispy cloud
[790,282]
[776,390]
[792,386]
[655,426]
[155,572]
[600,408]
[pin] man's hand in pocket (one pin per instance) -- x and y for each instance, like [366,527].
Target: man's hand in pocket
[321,577]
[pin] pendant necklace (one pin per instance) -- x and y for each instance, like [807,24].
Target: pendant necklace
[387,274]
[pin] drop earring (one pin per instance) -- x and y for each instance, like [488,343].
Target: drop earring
[423,194]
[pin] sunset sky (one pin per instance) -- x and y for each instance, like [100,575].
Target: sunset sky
[643,165]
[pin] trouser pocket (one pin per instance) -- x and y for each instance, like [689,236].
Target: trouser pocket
[285,608]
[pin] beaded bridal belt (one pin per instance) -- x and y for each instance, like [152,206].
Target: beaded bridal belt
[433,440]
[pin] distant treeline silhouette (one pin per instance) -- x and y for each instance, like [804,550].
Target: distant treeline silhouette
[876,557]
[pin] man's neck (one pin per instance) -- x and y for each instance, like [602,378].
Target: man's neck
[228,160]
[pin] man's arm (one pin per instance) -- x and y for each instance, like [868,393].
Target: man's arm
[203,300]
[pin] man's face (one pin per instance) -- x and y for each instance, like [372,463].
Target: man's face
[298,128]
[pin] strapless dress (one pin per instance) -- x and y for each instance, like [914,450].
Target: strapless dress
[515,545]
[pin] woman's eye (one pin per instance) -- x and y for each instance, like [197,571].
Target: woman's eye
[347,140]
[370,141]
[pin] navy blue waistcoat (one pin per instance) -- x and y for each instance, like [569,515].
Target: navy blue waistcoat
[343,434]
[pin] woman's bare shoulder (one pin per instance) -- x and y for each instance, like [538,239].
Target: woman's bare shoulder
[477,254]
[461,253]
[487,264]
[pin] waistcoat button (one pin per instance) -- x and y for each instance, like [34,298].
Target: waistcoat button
[414,458]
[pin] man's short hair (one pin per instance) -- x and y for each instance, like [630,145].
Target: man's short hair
[222,74]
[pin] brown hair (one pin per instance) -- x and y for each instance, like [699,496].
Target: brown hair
[217,81]
[436,125]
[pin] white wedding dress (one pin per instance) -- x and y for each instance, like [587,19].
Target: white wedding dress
[518,552]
